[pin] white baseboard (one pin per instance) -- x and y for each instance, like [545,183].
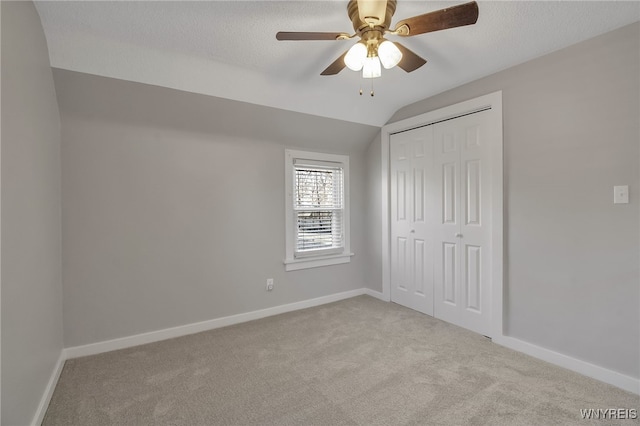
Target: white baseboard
[376,294]
[48,392]
[602,374]
[170,333]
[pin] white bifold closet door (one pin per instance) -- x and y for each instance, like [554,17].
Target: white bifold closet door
[411,217]
[440,221]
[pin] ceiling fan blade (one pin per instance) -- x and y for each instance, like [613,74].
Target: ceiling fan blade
[336,66]
[410,61]
[284,35]
[450,17]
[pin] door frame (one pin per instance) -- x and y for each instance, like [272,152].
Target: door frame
[493,103]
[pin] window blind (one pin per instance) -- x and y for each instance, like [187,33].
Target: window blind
[319,207]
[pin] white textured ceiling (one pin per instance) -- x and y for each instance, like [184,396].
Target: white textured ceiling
[228,48]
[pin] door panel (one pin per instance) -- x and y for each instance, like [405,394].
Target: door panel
[447,257]
[462,292]
[401,195]
[449,272]
[472,193]
[472,277]
[401,263]
[449,193]
[418,195]
[419,260]
[411,237]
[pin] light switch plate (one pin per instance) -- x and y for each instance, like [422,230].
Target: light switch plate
[621,194]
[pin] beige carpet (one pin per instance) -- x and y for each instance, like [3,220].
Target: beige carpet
[355,362]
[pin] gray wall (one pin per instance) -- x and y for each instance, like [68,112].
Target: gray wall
[373,157]
[571,132]
[31,277]
[164,226]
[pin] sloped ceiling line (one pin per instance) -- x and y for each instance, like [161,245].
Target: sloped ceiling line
[228,48]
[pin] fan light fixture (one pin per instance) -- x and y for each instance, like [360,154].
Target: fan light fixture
[371,67]
[359,57]
[389,54]
[354,59]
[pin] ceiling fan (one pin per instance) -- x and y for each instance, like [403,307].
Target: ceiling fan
[371,21]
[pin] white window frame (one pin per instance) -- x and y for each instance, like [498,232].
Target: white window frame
[291,262]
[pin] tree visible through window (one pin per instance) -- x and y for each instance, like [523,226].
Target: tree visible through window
[317,217]
[318,206]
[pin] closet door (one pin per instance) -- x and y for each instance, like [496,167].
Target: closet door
[462,252]
[412,190]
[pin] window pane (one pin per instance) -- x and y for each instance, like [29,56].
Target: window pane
[318,188]
[319,230]
[318,203]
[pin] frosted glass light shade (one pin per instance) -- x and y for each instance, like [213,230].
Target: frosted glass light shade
[371,68]
[389,54]
[354,59]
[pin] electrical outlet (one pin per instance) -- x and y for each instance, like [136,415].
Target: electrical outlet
[269,284]
[621,194]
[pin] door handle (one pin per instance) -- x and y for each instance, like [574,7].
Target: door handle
[458,235]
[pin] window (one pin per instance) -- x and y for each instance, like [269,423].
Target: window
[317,209]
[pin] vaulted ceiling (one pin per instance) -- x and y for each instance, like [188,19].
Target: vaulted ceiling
[228,49]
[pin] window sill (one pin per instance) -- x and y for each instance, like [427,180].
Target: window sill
[314,262]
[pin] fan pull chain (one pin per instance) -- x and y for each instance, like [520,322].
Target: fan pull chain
[372,93]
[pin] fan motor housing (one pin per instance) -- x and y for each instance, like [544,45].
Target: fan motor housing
[363,23]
